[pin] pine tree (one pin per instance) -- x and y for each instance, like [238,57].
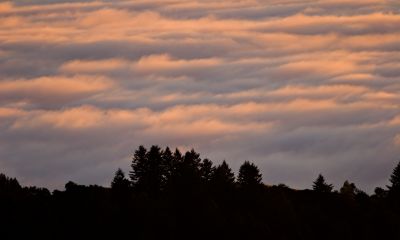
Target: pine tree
[395,180]
[178,156]
[192,159]
[249,175]
[156,170]
[120,182]
[319,185]
[186,175]
[206,170]
[223,176]
[139,165]
[147,170]
[169,165]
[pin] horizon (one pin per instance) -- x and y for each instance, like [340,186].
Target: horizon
[127,172]
[297,88]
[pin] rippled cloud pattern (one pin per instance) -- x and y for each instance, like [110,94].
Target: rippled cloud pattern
[298,87]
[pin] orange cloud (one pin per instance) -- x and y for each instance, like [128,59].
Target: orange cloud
[396,140]
[94,66]
[170,120]
[322,91]
[166,63]
[10,112]
[45,89]
[5,7]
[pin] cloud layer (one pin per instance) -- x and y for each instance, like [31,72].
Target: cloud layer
[298,87]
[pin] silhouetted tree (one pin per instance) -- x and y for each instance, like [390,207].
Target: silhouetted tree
[348,189]
[380,192]
[71,186]
[206,170]
[139,166]
[8,184]
[394,188]
[74,188]
[188,169]
[120,183]
[169,163]
[319,185]
[178,156]
[200,201]
[38,192]
[223,176]
[148,170]
[361,195]
[249,175]
[192,159]
[157,169]
[282,186]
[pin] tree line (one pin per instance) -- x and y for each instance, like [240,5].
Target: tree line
[157,170]
[170,194]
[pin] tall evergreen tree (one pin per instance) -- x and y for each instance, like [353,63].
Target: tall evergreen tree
[206,170]
[190,165]
[192,159]
[395,180]
[139,166]
[186,175]
[319,185]
[147,170]
[119,182]
[249,175]
[223,176]
[169,164]
[156,169]
[178,156]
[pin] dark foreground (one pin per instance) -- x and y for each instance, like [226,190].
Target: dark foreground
[175,196]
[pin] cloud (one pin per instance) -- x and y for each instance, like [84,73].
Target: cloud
[146,64]
[5,7]
[94,66]
[52,90]
[298,87]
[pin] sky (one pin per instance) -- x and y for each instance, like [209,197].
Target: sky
[299,87]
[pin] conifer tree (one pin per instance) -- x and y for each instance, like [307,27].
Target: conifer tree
[223,176]
[148,170]
[169,164]
[395,180]
[139,165]
[186,175]
[319,185]
[249,175]
[155,170]
[178,156]
[192,159]
[120,182]
[206,170]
